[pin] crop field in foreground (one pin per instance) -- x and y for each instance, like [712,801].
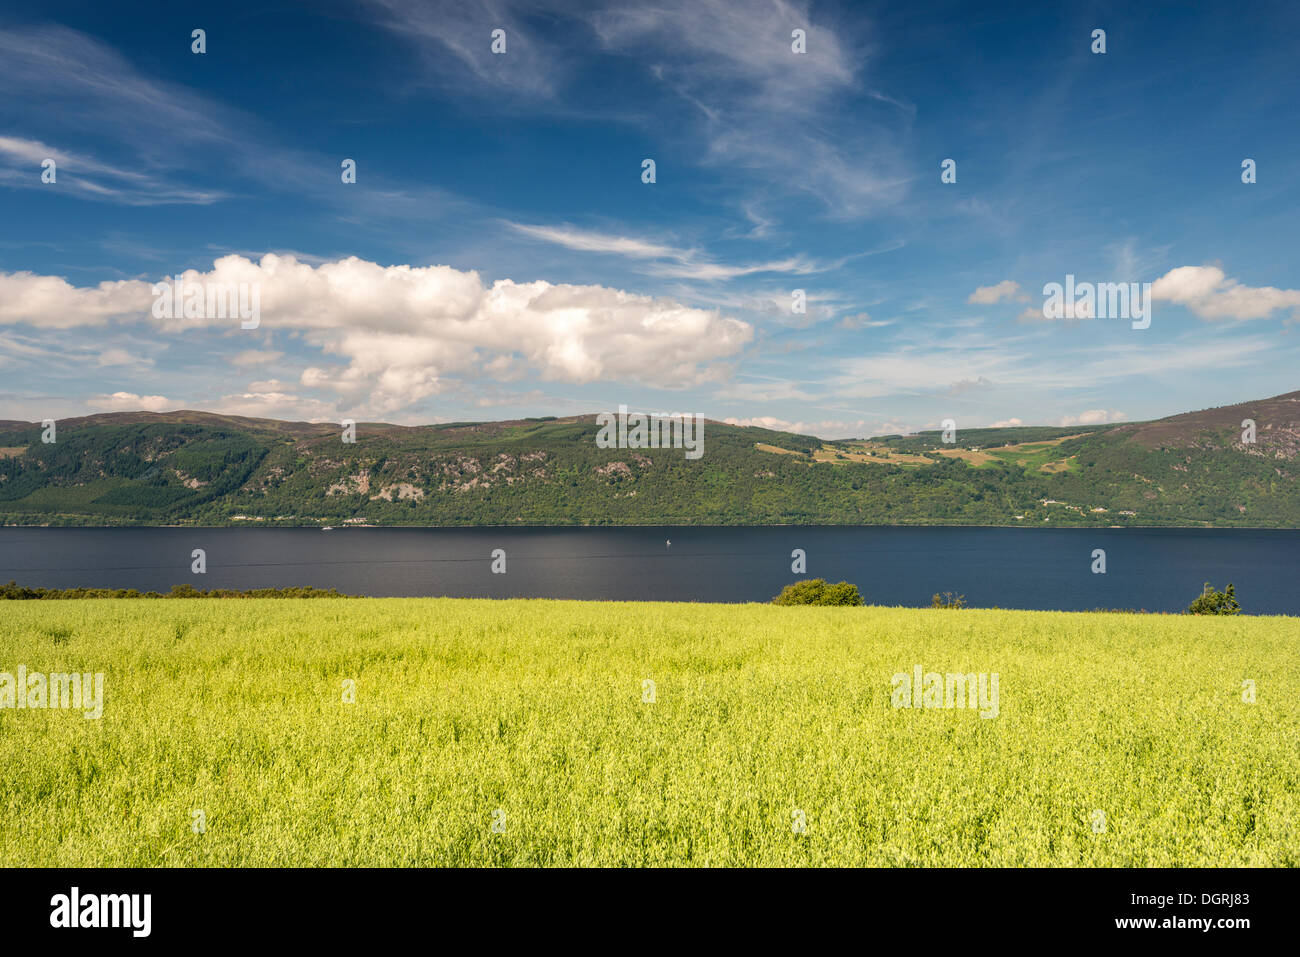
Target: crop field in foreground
[526,733]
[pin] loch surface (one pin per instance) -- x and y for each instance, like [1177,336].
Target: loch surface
[1151,569]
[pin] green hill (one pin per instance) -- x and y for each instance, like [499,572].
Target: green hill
[207,469]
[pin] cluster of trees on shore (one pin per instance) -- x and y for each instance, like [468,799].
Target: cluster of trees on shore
[813,591]
[15,592]
[817,591]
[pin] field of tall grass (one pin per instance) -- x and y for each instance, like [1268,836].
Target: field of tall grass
[574,733]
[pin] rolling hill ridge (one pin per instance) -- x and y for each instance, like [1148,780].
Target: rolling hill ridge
[202,468]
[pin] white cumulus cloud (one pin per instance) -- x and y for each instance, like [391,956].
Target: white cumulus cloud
[1209,293]
[827,428]
[987,295]
[1093,417]
[130,402]
[399,332]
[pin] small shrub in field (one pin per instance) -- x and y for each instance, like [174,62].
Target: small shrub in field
[948,600]
[815,591]
[1212,602]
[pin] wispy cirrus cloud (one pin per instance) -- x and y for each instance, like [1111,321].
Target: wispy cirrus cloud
[22,165]
[158,142]
[453,39]
[961,365]
[766,389]
[75,87]
[764,109]
[755,107]
[83,83]
[667,261]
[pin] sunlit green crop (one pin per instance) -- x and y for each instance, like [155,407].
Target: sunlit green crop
[561,733]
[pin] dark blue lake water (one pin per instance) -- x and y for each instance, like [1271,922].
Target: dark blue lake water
[1152,569]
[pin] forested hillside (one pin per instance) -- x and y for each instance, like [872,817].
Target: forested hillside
[207,469]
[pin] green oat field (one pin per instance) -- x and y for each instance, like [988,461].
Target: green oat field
[519,733]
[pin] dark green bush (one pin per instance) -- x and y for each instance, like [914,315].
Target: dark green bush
[1212,602]
[815,591]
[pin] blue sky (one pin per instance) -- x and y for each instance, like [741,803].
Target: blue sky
[499,255]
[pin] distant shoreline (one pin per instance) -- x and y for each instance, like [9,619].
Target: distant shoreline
[307,593]
[339,528]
